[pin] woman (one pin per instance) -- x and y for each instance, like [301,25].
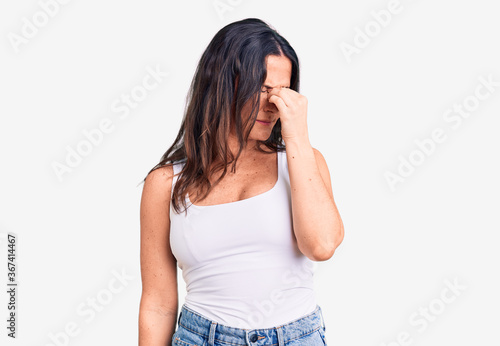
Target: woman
[245,239]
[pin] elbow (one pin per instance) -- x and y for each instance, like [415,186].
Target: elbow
[323,253]
[322,256]
[325,250]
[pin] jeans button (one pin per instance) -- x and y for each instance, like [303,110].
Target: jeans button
[253,338]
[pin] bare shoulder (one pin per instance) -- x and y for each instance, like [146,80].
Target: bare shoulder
[320,159]
[158,183]
[158,264]
[323,169]
[161,174]
[319,156]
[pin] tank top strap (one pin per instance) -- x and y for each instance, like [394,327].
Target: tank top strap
[282,169]
[177,166]
[283,165]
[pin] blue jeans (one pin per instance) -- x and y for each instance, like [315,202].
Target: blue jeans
[194,329]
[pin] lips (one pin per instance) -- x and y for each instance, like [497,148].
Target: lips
[264,123]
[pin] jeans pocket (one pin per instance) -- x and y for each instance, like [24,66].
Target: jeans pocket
[180,342]
[185,337]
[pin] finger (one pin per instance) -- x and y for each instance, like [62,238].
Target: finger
[278,101]
[287,95]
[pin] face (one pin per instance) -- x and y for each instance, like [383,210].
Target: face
[279,73]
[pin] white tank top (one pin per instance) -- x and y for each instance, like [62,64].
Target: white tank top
[240,260]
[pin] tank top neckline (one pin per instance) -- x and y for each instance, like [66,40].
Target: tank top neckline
[249,199]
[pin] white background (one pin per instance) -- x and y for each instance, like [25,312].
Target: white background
[365,113]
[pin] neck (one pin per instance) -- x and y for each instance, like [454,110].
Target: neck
[249,147]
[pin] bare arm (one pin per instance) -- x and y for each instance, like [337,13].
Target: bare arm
[317,224]
[316,220]
[159,300]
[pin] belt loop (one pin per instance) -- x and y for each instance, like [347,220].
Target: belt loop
[279,332]
[322,319]
[179,320]
[211,335]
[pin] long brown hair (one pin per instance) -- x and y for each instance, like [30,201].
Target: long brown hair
[229,74]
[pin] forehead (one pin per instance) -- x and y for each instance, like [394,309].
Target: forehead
[279,71]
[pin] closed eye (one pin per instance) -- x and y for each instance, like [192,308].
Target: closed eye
[267,88]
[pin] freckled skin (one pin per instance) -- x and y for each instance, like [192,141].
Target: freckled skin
[252,162]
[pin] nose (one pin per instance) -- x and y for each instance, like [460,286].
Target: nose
[269,106]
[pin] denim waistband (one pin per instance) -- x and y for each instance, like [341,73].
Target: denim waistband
[196,323]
